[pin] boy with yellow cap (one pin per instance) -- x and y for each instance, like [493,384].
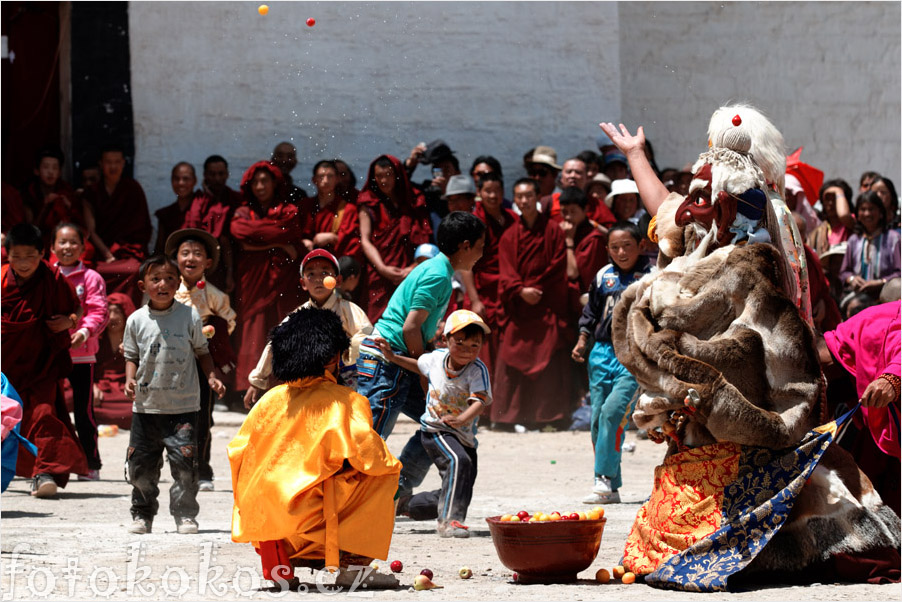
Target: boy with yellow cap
[459,391]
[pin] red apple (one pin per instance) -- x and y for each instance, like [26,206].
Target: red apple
[574,516]
[523,514]
[396,566]
[428,573]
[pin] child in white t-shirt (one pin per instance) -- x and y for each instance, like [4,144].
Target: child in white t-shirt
[459,391]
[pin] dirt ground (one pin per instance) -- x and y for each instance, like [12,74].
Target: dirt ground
[76,547]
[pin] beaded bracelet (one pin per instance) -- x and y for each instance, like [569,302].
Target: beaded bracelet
[893,380]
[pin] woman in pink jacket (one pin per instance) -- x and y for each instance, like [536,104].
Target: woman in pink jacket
[68,245]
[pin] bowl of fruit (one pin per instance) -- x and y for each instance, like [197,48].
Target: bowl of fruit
[547,548]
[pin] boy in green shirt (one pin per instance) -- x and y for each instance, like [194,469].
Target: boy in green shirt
[408,324]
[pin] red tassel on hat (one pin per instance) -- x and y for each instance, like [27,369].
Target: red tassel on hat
[737,120]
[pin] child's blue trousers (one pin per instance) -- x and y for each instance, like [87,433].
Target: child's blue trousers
[611,389]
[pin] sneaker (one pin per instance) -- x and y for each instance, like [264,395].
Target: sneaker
[602,498]
[140,525]
[453,529]
[43,485]
[186,525]
[602,492]
[91,475]
[205,485]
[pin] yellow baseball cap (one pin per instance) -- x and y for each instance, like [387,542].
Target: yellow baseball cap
[461,319]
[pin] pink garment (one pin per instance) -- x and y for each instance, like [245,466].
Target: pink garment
[91,291]
[867,345]
[837,235]
[11,412]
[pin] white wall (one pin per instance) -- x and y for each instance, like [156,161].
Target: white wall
[501,77]
[367,79]
[826,73]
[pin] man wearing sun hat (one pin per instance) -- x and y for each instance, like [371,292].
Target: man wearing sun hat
[543,168]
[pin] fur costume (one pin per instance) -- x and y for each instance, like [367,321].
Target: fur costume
[720,340]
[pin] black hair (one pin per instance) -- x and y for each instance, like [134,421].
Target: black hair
[384,161]
[471,330]
[181,164]
[454,161]
[577,158]
[573,195]
[112,147]
[489,160]
[834,183]
[863,300]
[24,235]
[307,341]
[868,175]
[348,266]
[894,196]
[345,163]
[158,260]
[628,227]
[871,197]
[215,159]
[76,227]
[455,228]
[327,163]
[492,176]
[54,152]
[588,156]
[530,181]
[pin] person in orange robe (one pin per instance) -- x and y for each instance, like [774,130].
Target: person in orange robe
[267,233]
[313,483]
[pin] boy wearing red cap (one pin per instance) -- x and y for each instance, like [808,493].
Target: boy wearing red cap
[320,277]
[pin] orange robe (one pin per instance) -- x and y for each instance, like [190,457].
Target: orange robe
[308,469]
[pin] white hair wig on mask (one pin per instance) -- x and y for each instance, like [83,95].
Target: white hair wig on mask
[766,150]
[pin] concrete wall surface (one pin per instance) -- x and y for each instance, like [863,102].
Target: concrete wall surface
[368,78]
[826,73]
[502,77]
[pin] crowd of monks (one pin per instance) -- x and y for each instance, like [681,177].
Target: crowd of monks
[269,223]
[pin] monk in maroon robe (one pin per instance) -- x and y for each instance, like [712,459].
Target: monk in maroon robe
[533,377]
[267,232]
[212,212]
[486,272]
[112,406]
[586,247]
[122,229]
[332,222]
[38,307]
[52,201]
[394,220]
